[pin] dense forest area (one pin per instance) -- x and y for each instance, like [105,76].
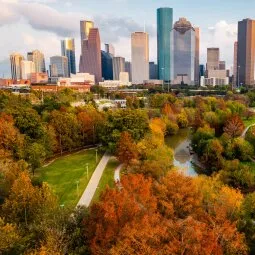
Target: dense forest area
[155,209]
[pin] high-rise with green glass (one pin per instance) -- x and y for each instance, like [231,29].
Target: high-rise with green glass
[164,27]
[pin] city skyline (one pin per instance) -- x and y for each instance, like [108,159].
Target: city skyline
[36,33]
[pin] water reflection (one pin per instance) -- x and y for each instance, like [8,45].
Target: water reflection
[180,143]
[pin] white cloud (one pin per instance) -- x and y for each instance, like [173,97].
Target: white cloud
[221,35]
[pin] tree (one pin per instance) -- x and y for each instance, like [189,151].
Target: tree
[117,208]
[11,141]
[234,126]
[135,122]
[250,136]
[26,202]
[126,149]
[9,236]
[66,129]
[182,120]
[35,155]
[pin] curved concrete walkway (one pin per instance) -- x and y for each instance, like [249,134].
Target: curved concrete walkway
[90,190]
[246,130]
[117,173]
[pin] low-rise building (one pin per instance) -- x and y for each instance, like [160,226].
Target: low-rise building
[153,82]
[114,85]
[77,79]
[39,78]
[213,81]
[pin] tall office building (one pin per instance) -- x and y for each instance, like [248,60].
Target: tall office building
[68,50]
[118,67]
[213,59]
[222,65]
[153,71]
[91,55]
[59,66]
[197,55]
[235,78]
[107,66]
[27,67]
[140,57]
[164,26]
[109,48]
[15,60]
[201,70]
[246,51]
[85,26]
[38,58]
[128,69]
[184,52]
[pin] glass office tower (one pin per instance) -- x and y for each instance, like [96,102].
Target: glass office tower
[68,50]
[164,26]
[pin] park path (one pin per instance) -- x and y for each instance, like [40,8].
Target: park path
[90,190]
[246,130]
[117,173]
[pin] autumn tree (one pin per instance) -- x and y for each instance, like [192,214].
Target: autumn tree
[234,126]
[9,236]
[117,208]
[126,149]
[66,129]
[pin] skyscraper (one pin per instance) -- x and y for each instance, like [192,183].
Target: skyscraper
[107,66]
[109,48]
[68,50]
[164,26]
[222,65]
[213,59]
[140,57]
[128,69]
[91,55]
[118,67]
[15,60]
[246,51]
[38,58]
[234,82]
[197,55]
[85,26]
[184,52]
[153,71]
[27,67]
[59,66]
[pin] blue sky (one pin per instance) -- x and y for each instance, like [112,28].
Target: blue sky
[41,24]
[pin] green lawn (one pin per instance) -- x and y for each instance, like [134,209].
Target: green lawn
[107,178]
[251,165]
[63,174]
[249,121]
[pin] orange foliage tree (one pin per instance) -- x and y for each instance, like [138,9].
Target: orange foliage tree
[234,126]
[126,149]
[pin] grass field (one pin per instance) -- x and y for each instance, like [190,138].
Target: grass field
[251,165]
[107,178]
[249,122]
[67,175]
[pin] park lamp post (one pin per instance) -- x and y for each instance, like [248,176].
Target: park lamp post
[77,187]
[87,169]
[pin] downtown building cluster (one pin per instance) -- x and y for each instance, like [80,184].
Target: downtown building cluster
[178,58]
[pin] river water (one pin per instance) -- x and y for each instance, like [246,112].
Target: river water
[180,144]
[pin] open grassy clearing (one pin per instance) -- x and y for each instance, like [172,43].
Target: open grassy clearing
[67,175]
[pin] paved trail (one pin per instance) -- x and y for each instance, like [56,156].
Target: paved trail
[90,190]
[246,130]
[117,173]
